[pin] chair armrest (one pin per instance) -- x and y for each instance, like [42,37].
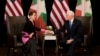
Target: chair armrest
[87,39]
[15,40]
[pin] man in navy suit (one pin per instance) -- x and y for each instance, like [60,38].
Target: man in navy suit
[72,30]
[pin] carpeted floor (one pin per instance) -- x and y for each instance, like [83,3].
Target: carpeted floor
[95,51]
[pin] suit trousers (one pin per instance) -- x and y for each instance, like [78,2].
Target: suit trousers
[68,48]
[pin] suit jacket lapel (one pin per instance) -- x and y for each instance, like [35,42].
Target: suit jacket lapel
[73,24]
[66,26]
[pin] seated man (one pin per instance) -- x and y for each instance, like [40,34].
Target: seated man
[72,30]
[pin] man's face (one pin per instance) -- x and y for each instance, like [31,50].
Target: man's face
[68,16]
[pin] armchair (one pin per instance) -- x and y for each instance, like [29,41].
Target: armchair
[14,27]
[87,31]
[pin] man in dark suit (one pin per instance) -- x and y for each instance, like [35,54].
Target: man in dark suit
[72,30]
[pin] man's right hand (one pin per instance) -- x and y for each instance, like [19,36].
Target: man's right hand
[49,32]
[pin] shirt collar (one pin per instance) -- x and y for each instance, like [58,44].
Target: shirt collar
[72,20]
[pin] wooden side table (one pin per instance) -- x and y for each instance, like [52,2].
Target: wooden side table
[49,37]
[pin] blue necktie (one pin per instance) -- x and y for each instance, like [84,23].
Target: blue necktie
[70,24]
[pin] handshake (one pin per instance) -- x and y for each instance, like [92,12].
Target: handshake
[49,32]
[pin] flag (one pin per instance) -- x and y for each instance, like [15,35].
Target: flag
[83,8]
[39,6]
[58,13]
[13,8]
[41,21]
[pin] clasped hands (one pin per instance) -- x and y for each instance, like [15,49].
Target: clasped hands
[49,32]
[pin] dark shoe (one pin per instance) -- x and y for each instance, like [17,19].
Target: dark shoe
[63,55]
[68,55]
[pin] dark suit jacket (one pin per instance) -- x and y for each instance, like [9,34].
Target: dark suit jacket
[30,27]
[75,32]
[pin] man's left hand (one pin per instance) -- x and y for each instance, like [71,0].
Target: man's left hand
[69,41]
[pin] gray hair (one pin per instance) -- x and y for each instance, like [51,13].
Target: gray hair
[70,12]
